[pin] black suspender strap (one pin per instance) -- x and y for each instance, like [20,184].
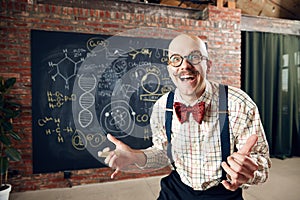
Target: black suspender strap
[168,125]
[224,124]
[169,114]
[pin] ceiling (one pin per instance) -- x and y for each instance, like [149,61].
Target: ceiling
[285,9]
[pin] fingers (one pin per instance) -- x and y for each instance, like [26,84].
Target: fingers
[236,177]
[114,174]
[111,159]
[240,167]
[245,161]
[119,144]
[120,158]
[240,163]
[104,153]
[245,168]
[251,141]
[114,140]
[229,186]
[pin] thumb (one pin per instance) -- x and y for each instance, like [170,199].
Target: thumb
[116,142]
[251,141]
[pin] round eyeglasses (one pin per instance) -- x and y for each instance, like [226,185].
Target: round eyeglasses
[194,58]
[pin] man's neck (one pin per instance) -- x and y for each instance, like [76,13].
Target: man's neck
[190,99]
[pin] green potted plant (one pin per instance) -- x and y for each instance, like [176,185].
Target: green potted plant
[9,110]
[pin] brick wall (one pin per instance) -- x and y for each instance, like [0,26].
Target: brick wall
[270,25]
[220,29]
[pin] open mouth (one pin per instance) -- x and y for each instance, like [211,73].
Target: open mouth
[187,77]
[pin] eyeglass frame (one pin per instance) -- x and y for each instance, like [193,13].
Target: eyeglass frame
[187,57]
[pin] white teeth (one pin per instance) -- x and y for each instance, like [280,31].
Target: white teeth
[186,76]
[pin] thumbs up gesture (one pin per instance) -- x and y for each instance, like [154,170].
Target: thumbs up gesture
[240,167]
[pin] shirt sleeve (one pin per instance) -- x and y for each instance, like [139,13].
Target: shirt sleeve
[260,152]
[157,154]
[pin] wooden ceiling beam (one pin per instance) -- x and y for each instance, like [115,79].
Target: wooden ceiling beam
[231,4]
[220,3]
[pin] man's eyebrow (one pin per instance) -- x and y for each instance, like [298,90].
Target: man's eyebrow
[174,53]
[196,51]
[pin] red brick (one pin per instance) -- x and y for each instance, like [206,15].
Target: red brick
[107,14]
[111,25]
[52,21]
[82,18]
[9,75]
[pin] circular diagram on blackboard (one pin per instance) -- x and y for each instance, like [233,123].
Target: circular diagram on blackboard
[117,85]
[117,118]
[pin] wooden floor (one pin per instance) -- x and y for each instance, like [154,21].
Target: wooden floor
[283,184]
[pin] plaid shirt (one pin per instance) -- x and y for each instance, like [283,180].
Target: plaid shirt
[196,147]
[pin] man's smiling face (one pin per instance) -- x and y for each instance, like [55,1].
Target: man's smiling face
[189,76]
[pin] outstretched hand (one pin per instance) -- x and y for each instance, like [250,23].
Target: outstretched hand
[122,157]
[240,167]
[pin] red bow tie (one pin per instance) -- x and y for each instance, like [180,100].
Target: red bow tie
[183,111]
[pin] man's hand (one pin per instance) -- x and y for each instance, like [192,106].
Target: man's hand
[122,157]
[240,167]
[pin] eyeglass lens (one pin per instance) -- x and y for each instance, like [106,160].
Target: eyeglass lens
[194,58]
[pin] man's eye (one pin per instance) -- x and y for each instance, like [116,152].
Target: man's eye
[176,59]
[195,57]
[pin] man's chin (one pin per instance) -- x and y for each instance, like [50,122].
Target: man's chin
[191,92]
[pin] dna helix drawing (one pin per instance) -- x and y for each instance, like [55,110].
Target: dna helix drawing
[86,83]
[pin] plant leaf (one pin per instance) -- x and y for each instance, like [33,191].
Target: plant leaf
[5,140]
[12,114]
[14,135]
[7,126]
[9,82]
[13,154]
[5,109]
[13,105]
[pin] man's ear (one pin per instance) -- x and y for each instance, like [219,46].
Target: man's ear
[209,65]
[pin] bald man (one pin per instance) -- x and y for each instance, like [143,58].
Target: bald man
[210,134]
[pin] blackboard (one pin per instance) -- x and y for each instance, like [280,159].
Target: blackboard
[85,86]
